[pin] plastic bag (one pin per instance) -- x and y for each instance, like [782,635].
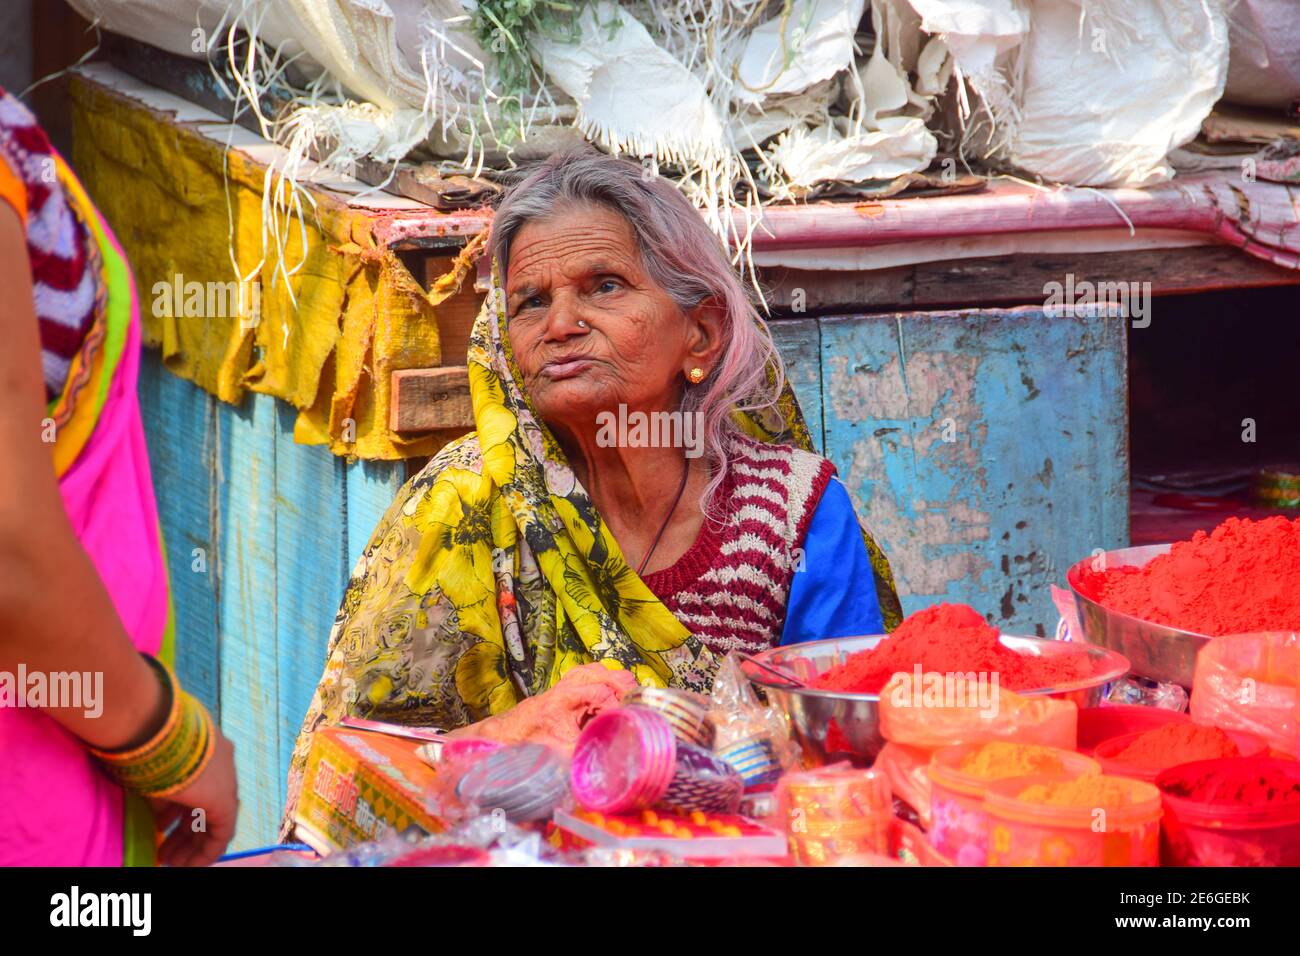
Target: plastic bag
[981,711]
[1264,69]
[1250,682]
[479,841]
[907,770]
[523,783]
[752,737]
[1144,692]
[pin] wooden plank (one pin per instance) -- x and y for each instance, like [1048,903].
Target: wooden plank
[1021,279]
[310,572]
[1243,124]
[1013,280]
[426,399]
[179,423]
[248,581]
[802,292]
[799,342]
[456,314]
[986,450]
[371,488]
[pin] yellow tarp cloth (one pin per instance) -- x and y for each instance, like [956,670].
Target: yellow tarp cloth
[180,203]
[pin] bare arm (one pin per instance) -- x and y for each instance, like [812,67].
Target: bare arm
[54,612]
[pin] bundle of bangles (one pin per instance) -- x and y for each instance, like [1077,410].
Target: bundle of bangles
[174,756]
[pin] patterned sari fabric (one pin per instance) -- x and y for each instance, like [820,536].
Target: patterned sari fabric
[492,574]
[56,805]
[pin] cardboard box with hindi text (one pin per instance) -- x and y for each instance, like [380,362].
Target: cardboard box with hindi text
[360,785]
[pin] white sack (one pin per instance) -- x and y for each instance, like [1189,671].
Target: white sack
[788,54]
[1264,69]
[1088,92]
[833,152]
[167,24]
[632,95]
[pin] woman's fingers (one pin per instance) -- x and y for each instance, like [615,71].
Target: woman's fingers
[204,813]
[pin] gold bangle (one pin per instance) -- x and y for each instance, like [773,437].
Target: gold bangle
[174,756]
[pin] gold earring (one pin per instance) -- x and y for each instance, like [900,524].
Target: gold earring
[696,375]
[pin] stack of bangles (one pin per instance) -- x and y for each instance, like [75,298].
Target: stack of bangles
[174,756]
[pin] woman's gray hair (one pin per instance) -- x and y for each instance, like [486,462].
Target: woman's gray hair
[682,255]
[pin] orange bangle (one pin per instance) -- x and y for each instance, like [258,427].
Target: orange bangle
[174,756]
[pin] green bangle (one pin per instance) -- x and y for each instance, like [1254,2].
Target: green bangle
[170,759]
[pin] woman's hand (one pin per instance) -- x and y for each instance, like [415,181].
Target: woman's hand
[557,716]
[204,812]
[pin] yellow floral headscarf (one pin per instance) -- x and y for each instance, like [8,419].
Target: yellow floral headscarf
[492,574]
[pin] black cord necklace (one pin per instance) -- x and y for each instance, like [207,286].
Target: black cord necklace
[686,470]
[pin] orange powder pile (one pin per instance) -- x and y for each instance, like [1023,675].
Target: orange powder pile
[1172,744]
[1001,759]
[1096,790]
[950,639]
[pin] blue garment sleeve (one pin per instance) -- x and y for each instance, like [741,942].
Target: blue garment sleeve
[835,593]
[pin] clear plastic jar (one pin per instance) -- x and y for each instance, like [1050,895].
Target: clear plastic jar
[1028,833]
[958,821]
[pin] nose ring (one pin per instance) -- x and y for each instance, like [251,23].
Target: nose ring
[582,324]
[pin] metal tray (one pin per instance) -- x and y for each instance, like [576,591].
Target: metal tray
[857,716]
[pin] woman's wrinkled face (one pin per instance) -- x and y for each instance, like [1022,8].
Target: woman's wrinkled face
[589,328]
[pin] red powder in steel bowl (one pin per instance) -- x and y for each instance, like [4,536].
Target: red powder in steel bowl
[949,639]
[1242,577]
[1173,744]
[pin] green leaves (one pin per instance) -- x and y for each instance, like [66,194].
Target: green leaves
[502,28]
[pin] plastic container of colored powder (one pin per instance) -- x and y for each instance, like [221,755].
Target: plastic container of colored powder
[1144,755]
[1102,723]
[1095,820]
[1242,812]
[960,776]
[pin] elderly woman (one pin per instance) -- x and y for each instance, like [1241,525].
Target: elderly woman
[549,537]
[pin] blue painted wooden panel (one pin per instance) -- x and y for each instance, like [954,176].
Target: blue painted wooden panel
[371,488]
[986,450]
[310,567]
[180,429]
[248,589]
[799,342]
[279,526]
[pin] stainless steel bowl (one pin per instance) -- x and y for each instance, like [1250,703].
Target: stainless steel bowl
[1153,650]
[857,716]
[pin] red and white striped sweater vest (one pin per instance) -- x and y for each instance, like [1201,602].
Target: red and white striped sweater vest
[730,588]
[65,278]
